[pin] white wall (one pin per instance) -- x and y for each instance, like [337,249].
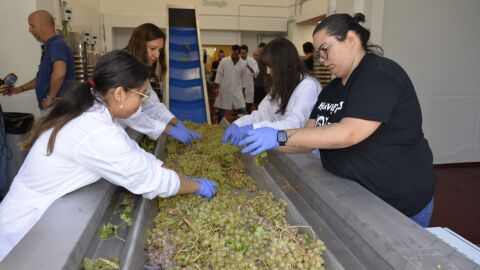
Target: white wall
[121,36]
[216,23]
[437,43]
[19,53]
[310,9]
[299,34]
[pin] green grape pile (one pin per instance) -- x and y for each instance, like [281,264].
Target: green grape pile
[260,159]
[148,145]
[237,229]
[209,158]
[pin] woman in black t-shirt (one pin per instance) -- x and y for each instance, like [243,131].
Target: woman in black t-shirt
[367,122]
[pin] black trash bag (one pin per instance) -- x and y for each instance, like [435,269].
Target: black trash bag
[18,123]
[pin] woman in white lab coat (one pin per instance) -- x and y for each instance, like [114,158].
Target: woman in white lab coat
[153,118]
[78,143]
[292,93]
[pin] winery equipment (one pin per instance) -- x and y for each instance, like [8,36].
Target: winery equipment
[82,45]
[84,53]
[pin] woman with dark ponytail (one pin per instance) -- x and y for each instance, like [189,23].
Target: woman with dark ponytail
[367,122]
[78,143]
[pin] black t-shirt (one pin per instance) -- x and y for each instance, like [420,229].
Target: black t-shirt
[214,68]
[395,162]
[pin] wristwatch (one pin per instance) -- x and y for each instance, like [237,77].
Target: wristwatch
[282,137]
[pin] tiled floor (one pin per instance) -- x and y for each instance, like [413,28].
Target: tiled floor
[457,200]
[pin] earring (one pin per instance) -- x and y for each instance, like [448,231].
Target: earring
[120,105]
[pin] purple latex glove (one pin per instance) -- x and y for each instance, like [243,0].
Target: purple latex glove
[180,135]
[207,189]
[192,133]
[230,133]
[260,140]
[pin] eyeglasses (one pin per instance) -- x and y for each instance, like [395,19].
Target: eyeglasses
[323,52]
[144,96]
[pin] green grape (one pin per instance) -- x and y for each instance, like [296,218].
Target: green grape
[236,229]
[108,231]
[260,159]
[148,145]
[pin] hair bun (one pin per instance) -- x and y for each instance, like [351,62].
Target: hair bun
[359,18]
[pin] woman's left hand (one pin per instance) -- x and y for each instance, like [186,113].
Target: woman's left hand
[192,133]
[242,132]
[260,140]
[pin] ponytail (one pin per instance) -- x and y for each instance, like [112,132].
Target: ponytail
[76,101]
[114,69]
[338,25]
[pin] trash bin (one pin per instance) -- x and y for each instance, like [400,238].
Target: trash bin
[17,125]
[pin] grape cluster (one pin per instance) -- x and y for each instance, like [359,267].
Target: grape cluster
[260,159]
[148,145]
[238,229]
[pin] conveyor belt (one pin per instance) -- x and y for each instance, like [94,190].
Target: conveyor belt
[186,94]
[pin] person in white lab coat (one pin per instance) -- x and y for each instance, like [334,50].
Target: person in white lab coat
[291,97]
[153,118]
[78,143]
[250,75]
[231,83]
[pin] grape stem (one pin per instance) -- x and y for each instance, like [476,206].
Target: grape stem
[306,227]
[196,258]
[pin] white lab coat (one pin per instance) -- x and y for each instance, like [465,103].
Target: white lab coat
[151,118]
[297,113]
[87,148]
[249,77]
[231,79]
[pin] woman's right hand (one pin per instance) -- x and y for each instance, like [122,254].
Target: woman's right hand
[179,134]
[230,133]
[207,189]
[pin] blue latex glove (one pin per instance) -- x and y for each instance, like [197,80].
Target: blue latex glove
[242,132]
[180,135]
[192,133]
[260,140]
[207,189]
[231,131]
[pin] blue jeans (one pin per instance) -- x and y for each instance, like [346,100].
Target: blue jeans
[424,216]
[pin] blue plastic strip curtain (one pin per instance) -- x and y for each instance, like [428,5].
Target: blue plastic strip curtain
[186,93]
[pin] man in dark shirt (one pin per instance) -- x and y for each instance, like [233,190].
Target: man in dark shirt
[215,64]
[56,70]
[259,88]
[308,58]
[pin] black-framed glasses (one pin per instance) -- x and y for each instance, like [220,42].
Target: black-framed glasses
[323,52]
